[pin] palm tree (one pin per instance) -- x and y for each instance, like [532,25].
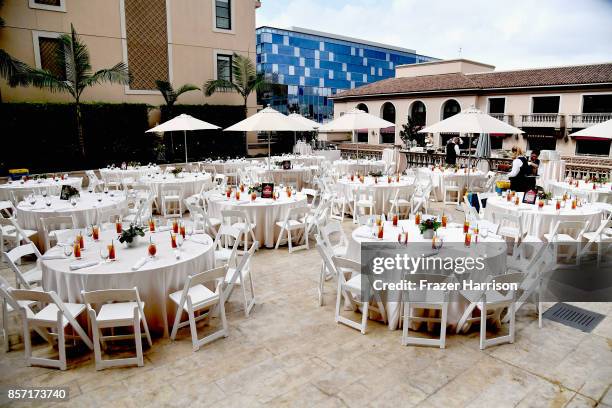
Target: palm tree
[72,55]
[244,79]
[170,96]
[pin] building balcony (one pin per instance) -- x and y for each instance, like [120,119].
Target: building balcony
[509,119]
[584,120]
[550,120]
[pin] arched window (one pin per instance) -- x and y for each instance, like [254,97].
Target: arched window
[387,135]
[418,113]
[363,107]
[451,108]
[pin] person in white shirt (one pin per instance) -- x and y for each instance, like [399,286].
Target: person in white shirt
[520,171]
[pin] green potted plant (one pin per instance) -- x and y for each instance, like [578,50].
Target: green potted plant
[176,171]
[130,235]
[429,227]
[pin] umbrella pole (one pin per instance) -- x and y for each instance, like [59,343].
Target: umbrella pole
[269,160]
[294,139]
[185,135]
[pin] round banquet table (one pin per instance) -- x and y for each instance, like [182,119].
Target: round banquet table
[493,253]
[602,193]
[383,191]
[155,280]
[190,182]
[538,222]
[22,188]
[84,213]
[303,175]
[438,176]
[306,160]
[361,166]
[133,173]
[264,212]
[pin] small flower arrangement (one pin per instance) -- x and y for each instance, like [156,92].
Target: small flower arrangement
[542,195]
[376,173]
[176,171]
[130,235]
[599,180]
[133,164]
[429,224]
[255,189]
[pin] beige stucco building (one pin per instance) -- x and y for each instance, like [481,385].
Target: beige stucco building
[178,41]
[547,104]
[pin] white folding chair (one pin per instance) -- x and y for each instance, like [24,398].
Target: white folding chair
[93,182]
[30,277]
[364,200]
[55,316]
[450,186]
[54,227]
[195,297]
[351,289]
[400,203]
[491,304]
[568,234]
[295,220]
[239,276]
[335,238]
[327,267]
[597,238]
[8,306]
[428,300]
[420,197]
[12,235]
[226,245]
[112,308]
[172,200]
[240,220]
[200,217]
[342,201]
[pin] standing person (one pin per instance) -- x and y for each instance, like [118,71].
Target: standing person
[534,167]
[520,170]
[452,151]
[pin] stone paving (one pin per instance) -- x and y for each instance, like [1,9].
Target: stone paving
[290,352]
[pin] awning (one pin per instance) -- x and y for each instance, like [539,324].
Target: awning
[591,138]
[532,136]
[390,129]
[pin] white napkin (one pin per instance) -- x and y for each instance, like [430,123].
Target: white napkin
[364,234]
[163,228]
[80,265]
[49,257]
[139,264]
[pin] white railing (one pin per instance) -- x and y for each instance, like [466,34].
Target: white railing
[509,119]
[543,120]
[583,120]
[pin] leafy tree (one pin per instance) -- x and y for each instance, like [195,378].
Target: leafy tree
[73,57]
[10,67]
[409,132]
[244,79]
[171,96]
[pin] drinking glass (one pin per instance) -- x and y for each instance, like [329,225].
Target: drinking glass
[67,250]
[180,241]
[48,202]
[104,253]
[484,231]
[73,202]
[44,193]
[32,199]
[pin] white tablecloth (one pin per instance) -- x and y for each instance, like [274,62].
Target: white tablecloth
[550,171]
[264,212]
[602,192]
[438,176]
[155,280]
[494,254]
[363,166]
[541,221]
[302,148]
[383,190]
[131,173]
[306,160]
[329,155]
[228,166]
[191,183]
[303,175]
[21,188]
[84,213]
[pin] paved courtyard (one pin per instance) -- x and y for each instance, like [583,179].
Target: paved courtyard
[290,352]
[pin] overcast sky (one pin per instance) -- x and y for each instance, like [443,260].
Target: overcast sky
[507,34]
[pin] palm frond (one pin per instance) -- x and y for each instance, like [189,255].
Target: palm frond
[215,85]
[118,74]
[12,69]
[165,88]
[186,88]
[243,70]
[44,79]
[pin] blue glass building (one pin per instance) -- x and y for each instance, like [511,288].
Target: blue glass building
[310,66]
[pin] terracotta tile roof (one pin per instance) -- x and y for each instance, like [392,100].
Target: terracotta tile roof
[573,75]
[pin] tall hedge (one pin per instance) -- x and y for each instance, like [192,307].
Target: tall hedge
[43,138]
[206,143]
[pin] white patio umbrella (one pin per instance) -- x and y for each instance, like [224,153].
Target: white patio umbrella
[268,120]
[183,122]
[353,120]
[471,121]
[305,121]
[601,130]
